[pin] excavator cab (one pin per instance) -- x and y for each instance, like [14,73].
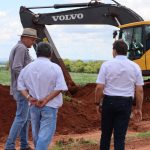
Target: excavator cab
[137,37]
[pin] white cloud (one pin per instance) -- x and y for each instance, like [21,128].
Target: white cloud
[139,6]
[2,14]
[10,26]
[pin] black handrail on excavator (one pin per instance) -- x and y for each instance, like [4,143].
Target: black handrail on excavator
[57,6]
[89,13]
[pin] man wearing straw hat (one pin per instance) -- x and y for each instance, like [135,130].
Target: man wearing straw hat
[19,58]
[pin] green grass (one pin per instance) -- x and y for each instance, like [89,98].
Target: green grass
[147,78]
[143,135]
[78,78]
[72,144]
[83,78]
[4,77]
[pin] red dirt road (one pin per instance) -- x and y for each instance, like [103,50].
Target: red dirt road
[131,144]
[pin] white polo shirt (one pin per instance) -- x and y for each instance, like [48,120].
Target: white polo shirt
[40,78]
[120,75]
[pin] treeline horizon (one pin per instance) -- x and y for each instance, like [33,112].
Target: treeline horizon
[77,66]
[80,66]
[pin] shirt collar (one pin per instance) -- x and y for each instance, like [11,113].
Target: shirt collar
[20,42]
[43,58]
[121,57]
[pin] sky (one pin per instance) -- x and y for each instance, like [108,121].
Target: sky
[85,42]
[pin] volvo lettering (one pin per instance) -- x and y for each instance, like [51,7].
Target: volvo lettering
[68,17]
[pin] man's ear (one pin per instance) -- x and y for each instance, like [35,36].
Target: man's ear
[114,53]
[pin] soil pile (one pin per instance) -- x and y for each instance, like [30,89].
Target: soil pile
[7,110]
[77,115]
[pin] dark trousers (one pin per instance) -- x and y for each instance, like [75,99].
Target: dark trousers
[116,112]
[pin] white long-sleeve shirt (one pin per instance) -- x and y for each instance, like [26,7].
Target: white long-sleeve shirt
[40,78]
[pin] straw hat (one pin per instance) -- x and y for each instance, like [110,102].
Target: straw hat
[29,32]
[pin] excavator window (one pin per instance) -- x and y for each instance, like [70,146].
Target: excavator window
[147,36]
[133,37]
[127,36]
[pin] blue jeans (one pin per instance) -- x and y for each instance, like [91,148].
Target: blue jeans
[43,121]
[20,124]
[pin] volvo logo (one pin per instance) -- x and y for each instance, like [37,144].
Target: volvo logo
[68,17]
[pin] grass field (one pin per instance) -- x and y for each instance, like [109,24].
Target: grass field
[4,77]
[78,78]
[83,78]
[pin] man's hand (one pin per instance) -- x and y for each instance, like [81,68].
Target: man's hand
[138,114]
[41,103]
[98,97]
[139,101]
[32,100]
[98,109]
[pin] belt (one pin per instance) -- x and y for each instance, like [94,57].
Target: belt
[118,97]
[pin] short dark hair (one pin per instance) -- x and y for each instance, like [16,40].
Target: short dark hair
[121,47]
[43,49]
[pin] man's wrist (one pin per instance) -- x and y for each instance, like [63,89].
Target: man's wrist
[138,107]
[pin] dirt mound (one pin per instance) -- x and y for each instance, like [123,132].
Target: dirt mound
[7,110]
[78,114]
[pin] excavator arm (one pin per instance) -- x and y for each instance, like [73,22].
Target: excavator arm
[86,13]
[90,13]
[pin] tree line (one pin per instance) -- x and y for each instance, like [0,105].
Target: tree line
[80,66]
[77,66]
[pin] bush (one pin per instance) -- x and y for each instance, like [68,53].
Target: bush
[80,66]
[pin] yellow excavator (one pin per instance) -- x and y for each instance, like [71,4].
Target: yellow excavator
[137,36]
[133,29]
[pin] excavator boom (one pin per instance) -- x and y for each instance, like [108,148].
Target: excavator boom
[100,13]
